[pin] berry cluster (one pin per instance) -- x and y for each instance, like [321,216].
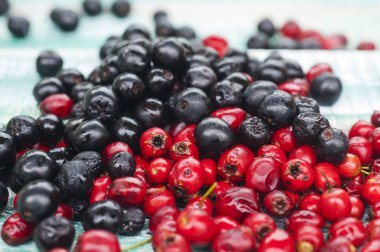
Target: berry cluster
[291,36]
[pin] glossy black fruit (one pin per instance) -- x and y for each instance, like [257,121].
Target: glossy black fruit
[306,104]
[128,130]
[211,54]
[266,26]
[51,129]
[129,87]
[79,91]
[103,75]
[199,60]
[4,195]
[93,162]
[240,57]
[92,7]
[121,8]
[49,63]
[240,80]
[326,88]
[107,48]
[54,232]
[151,112]
[273,70]
[202,77]
[70,77]
[254,133]
[90,136]
[163,26]
[307,126]
[46,87]
[25,129]
[213,136]
[278,109]
[133,221]
[18,26]
[170,54]
[294,70]
[37,201]
[160,82]
[255,93]
[68,133]
[258,41]
[66,20]
[101,103]
[134,59]
[136,31]
[192,105]
[253,67]
[59,155]
[121,164]
[225,67]
[185,32]
[105,214]
[332,146]
[226,93]
[7,152]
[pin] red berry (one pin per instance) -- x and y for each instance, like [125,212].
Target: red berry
[238,239]
[114,148]
[371,189]
[237,203]
[335,204]
[224,223]
[308,238]
[234,116]
[173,242]
[218,43]
[278,203]
[295,197]
[350,228]
[375,140]
[263,175]
[332,43]
[375,118]
[297,175]
[284,137]
[16,231]
[357,207]
[362,148]
[273,151]
[291,29]
[97,240]
[65,211]
[222,186]
[338,244]
[186,134]
[57,104]
[300,218]
[354,186]
[186,177]
[163,214]
[141,166]
[326,175]
[350,167]
[197,226]
[366,45]
[163,229]
[260,224]
[158,171]
[234,162]
[127,191]
[278,240]
[99,189]
[372,246]
[156,198]
[155,142]
[304,152]
[318,69]
[209,167]
[176,128]
[373,230]
[311,202]
[375,165]
[361,128]
[199,202]
[295,87]
[181,149]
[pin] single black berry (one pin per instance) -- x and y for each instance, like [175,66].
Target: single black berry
[326,88]
[306,104]
[59,155]
[25,129]
[307,126]
[170,54]
[255,93]
[66,20]
[258,41]
[79,91]
[47,86]
[226,93]
[4,7]
[129,87]
[254,132]
[160,82]
[92,7]
[121,164]
[121,8]
[134,59]
[70,77]
[266,26]
[294,70]
[128,130]
[7,152]
[273,70]
[51,129]
[133,221]
[49,63]
[92,161]
[202,77]
[136,31]
[151,112]
[332,146]
[225,67]
[18,26]
[90,136]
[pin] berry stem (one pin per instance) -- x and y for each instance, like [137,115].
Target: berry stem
[365,172]
[365,167]
[137,245]
[207,193]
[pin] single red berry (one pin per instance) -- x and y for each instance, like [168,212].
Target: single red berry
[163,229]
[375,210]
[163,214]
[186,177]
[318,69]
[311,202]
[181,149]
[16,231]
[97,240]
[237,203]
[350,167]
[361,128]
[234,162]
[158,171]
[64,211]
[278,203]
[300,218]
[222,186]
[372,246]
[99,189]
[373,230]
[350,228]
[273,151]
[375,140]
[127,191]
[114,148]
[201,203]
[326,175]
[375,118]
[332,43]
[234,116]
[197,226]
[263,175]
[362,148]
[357,209]
[57,104]
[295,197]
[371,189]
[291,29]
[366,45]
[209,166]
[335,204]
[297,175]
[260,224]
[156,198]
[308,238]
[278,240]
[304,152]
[186,134]
[173,242]
[338,244]
[375,165]
[295,87]
[285,138]
[238,239]
[155,142]
[224,223]
[176,128]
[354,186]
[218,43]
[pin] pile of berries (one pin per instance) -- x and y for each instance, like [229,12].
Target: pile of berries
[179,123]
[292,36]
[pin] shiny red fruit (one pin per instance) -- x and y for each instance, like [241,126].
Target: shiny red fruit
[222,186]
[366,45]
[350,167]
[338,244]
[114,148]
[375,118]
[278,203]
[318,69]
[375,140]
[97,240]
[164,214]
[186,134]
[99,189]
[263,175]
[234,162]
[224,223]
[64,211]
[291,29]
[141,166]
[176,128]
[372,246]
[260,224]
[373,230]
[197,226]
[310,202]
[285,138]
[156,198]
[304,152]
[238,239]
[350,228]
[300,218]
[237,203]
[335,204]
[201,203]
[127,191]
[295,87]
[371,189]
[158,171]
[16,231]
[308,238]
[375,165]
[278,240]
[297,175]
[57,104]
[162,230]
[273,151]
[361,128]
[218,43]
[354,186]
[155,142]
[210,167]
[362,148]
[326,176]
[173,242]
[181,149]
[234,116]
[357,207]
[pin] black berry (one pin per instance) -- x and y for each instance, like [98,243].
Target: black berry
[133,221]
[49,63]
[307,126]
[254,132]
[25,129]
[332,146]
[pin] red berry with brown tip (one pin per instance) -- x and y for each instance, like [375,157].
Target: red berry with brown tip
[335,204]
[357,207]
[16,231]
[260,224]
[285,138]
[158,171]
[278,203]
[127,191]
[278,240]
[210,167]
[156,198]
[304,152]
[99,189]
[221,187]
[57,104]
[273,151]
[155,142]
[181,149]
[350,228]
[238,239]
[354,186]
[97,240]
[308,238]
[263,175]
[173,242]
[64,210]
[297,175]
[234,116]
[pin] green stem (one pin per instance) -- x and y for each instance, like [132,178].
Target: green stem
[137,245]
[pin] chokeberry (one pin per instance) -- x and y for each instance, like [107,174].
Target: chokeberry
[92,7]
[255,93]
[266,26]
[133,221]
[294,70]
[48,63]
[121,164]
[129,87]
[151,112]
[185,32]
[90,135]
[103,75]
[68,132]
[79,207]
[18,26]
[51,129]
[121,8]
[134,59]
[326,89]
[254,132]
[332,145]
[136,31]
[59,155]
[169,54]
[25,130]
[160,82]
[306,104]
[92,161]
[273,70]
[226,93]
[64,19]
[79,91]
[307,126]
[46,87]
[128,130]
[258,41]
[226,66]
[70,77]
[7,152]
